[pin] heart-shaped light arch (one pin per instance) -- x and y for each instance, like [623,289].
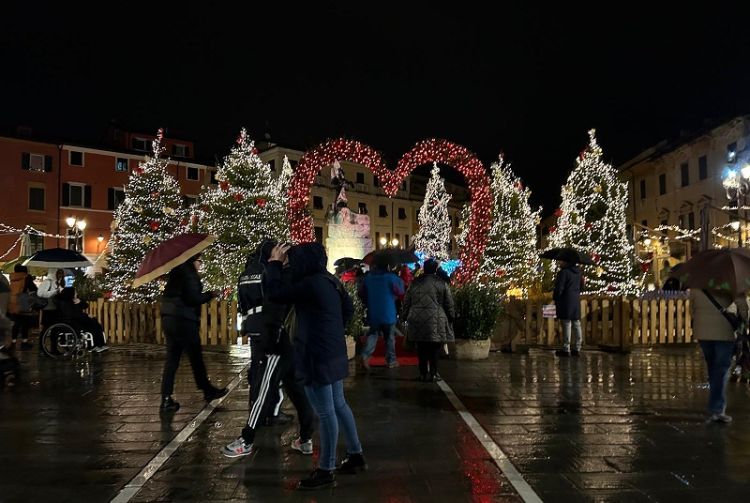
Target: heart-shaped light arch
[424,152]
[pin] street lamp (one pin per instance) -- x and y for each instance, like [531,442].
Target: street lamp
[394,243]
[77,226]
[383,241]
[737,187]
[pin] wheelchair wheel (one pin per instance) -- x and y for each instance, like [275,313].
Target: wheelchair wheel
[61,340]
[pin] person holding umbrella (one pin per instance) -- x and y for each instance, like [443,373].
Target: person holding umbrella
[181,309]
[718,282]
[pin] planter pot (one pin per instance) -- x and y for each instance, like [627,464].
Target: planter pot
[468,349]
[351,347]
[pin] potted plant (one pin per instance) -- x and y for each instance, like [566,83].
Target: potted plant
[356,324]
[477,311]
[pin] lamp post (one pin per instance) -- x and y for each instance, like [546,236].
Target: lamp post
[77,226]
[737,186]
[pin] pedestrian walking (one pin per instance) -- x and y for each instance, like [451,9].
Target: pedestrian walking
[21,287]
[717,319]
[181,314]
[429,312]
[322,309]
[379,291]
[272,357]
[567,297]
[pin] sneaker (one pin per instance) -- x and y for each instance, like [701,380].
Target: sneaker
[318,479]
[575,352]
[435,377]
[352,464]
[305,448]
[719,418]
[562,353]
[169,405]
[100,349]
[213,393]
[281,419]
[393,364]
[237,449]
[26,346]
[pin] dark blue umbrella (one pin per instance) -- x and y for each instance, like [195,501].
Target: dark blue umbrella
[59,258]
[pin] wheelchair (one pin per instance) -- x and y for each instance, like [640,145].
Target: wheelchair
[63,340]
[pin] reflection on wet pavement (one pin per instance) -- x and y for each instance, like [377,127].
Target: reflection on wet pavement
[610,427]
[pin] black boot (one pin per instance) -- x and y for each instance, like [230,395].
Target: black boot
[353,464]
[169,405]
[213,393]
[282,419]
[318,479]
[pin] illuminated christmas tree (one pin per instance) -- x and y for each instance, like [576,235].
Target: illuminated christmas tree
[511,259]
[248,206]
[433,238]
[151,213]
[592,219]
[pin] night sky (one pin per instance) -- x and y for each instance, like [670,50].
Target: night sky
[528,81]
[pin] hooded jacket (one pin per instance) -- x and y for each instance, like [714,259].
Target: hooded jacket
[429,310]
[323,308]
[379,291]
[183,294]
[567,293]
[262,317]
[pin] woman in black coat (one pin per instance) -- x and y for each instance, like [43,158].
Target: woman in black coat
[181,316]
[567,297]
[322,308]
[72,310]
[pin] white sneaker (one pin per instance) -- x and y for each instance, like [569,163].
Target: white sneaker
[237,448]
[305,448]
[101,349]
[719,418]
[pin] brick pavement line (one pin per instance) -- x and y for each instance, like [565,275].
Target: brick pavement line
[132,488]
[523,488]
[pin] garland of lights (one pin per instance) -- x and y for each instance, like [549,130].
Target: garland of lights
[592,218]
[248,206]
[511,259]
[425,152]
[8,229]
[434,233]
[150,214]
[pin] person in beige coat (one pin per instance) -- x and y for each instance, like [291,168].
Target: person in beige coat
[717,339]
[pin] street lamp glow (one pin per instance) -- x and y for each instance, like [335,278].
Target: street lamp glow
[746,172]
[81,224]
[100,238]
[394,242]
[383,241]
[735,225]
[71,221]
[647,241]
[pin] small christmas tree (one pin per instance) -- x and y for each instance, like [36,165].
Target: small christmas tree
[151,213]
[511,258]
[592,219]
[433,238]
[248,206]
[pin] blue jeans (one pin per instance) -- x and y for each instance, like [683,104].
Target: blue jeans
[718,355]
[330,405]
[389,332]
[576,325]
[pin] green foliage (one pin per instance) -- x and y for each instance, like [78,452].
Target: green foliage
[477,310]
[89,288]
[357,323]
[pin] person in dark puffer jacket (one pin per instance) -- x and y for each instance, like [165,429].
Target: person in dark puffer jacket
[322,309]
[181,315]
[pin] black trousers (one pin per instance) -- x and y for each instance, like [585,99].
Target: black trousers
[266,372]
[21,325]
[91,325]
[428,353]
[182,335]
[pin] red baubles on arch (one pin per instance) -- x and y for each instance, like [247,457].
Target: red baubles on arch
[424,152]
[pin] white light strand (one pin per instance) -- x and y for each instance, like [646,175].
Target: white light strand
[434,233]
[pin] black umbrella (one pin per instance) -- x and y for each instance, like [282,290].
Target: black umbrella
[390,257]
[347,262]
[568,255]
[57,258]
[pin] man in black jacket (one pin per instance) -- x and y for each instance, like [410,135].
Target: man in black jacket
[272,358]
[181,315]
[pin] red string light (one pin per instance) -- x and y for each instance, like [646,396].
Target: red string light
[424,152]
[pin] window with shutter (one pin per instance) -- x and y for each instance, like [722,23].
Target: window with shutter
[25,160]
[47,163]
[36,162]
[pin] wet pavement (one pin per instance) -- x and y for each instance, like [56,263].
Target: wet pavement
[603,427]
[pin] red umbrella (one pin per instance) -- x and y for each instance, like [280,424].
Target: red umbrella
[170,254]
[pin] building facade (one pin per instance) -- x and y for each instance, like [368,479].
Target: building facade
[49,184]
[671,182]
